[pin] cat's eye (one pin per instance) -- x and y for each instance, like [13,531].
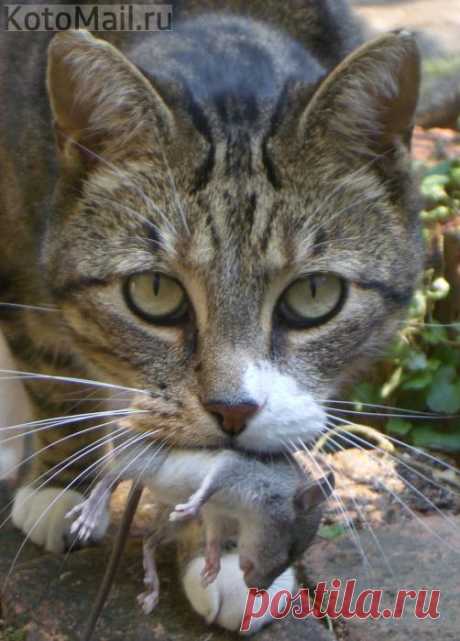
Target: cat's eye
[312,300]
[156,298]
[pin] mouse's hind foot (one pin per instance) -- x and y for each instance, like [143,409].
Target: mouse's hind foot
[149,600]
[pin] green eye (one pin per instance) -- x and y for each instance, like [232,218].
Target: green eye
[312,300]
[156,298]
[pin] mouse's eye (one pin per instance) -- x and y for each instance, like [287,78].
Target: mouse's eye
[312,300]
[157,298]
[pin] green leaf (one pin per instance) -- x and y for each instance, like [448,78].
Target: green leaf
[435,334]
[416,361]
[455,176]
[444,394]
[332,531]
[398,426]
[430,438]
[421,381]
[365,393]
[436,179]
[441,168]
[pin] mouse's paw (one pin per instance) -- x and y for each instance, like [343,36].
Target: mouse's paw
[209,573]
[85,518]
[184,511]
[41,515]
[149,600]
[224,601]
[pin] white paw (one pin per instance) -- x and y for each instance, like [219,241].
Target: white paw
[224,601]
[42,516]
[8,463]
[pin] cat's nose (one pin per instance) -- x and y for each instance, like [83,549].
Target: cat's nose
[233,417]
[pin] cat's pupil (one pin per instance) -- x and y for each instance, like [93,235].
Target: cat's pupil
[156,284]
[313,286]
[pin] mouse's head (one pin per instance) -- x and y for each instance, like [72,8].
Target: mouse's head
[285,534]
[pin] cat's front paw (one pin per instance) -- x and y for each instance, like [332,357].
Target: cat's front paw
[41,515]
[224,601]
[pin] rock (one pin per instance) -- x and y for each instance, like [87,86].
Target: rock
[421,554]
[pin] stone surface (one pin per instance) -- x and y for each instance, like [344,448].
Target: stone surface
[421,554]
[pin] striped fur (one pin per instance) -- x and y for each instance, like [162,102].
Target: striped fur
[233,156]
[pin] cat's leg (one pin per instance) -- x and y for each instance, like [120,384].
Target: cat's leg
[15,410]
[63,452]
[222,602]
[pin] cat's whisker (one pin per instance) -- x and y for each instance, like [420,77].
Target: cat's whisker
[20,375]
[411,512]
[422,323]
[177,199]
[88,449]
[124,469]
[139,216]
[34,308]
[397,459]
[130,185]
[135,439]
[361,513]
[66,420]
[377,406]
[64,464]
[411,448]
[36,430]
[350,525]
[432,417]
[405,481]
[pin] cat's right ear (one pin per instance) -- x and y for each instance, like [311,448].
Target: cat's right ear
[101,103]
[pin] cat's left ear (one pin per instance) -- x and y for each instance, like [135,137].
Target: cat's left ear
[310,493]
[101,102]
[365,108]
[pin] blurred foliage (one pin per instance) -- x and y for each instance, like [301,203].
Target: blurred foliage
[421,371]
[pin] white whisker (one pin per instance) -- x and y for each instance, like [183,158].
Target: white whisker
[19,375]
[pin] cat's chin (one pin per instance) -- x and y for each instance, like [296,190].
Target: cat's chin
[42,516]
[223,602]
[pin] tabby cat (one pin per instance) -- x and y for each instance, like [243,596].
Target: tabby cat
[219,221]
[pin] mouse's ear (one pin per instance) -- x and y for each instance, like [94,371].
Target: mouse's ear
[310,493]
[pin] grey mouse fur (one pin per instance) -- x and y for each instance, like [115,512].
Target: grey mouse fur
[273,509]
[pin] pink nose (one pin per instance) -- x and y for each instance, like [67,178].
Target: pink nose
[233,418]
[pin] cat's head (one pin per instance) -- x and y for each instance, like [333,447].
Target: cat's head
[231,231]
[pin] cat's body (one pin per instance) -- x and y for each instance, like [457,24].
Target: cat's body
[232,235]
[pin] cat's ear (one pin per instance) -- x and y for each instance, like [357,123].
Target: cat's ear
[100,101]
[366,106]
[310,494]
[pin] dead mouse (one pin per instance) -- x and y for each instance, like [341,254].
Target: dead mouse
[273,509]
